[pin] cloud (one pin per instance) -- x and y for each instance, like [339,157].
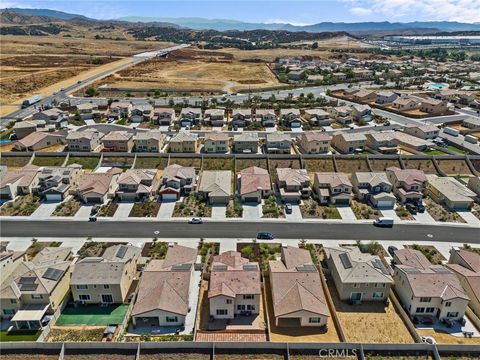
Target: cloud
[432,10]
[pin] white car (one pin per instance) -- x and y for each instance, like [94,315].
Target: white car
[428,340]
[195,220]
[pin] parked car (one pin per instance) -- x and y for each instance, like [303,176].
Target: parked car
[288,208]
[420,207]
[383,222]
[265,235]
[195,220]
[386,123]
[391,250]
[412,209]
[428,340]
[92,218]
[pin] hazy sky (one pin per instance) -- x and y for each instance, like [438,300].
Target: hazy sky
[292,11]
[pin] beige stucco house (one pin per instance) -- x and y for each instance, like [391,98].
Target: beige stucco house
[293,184]
[409,185]
[253,184]
[311,142]
[84,140]
[184,142]
[332,188]
[246,143]
[347,143]
[215,186]
[450,192]
[149,141]
[216,142]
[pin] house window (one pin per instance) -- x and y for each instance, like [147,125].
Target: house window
[82,287]
[222,312]
[452,314]
[314,320]
[247,297]
[240,307]
[37,296]
[171,319]
[448,304]
[356,285]
[106,286]
[420,310]
[425,299]
[13,301]
[380,285]
[430,310]
[84,297]
[251,307]
[8,312]
[378,295]
[229,301]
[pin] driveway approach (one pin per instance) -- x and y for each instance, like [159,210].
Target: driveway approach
[238,229]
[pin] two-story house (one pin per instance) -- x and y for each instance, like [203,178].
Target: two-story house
[118,141]
[120,110]
[433,106]
[87,111]
[19,182]
[386,97]
[54,182]
[137,184]
[149,141]
[84,140]
[267,117]
[141,112]
[245,143]
[317,117]
[98,187]
[422,131]
[190,116]
[177,181]
[293,184]
[214,117]
[374,188]
[342,114]
[254,184]
[291,117]
[215,186]
[409,185]
[163,116]
[278,143]
[348,143]
[234,288]
[241,117]
[311,142]
[216,142]
[184,142]
[53,116]
[332,188]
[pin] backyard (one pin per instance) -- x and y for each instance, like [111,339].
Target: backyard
[75,333]
[48,160]
[38,246]
[87,162]
[350,166]
[21,206]
[19,335]
[311,209]
[14,161]
[241,164]
[192,206]
[272,209]
[92,315]
[67,208]
[383,164]
[195,162]
[218,164]
[151,163]
[145,209]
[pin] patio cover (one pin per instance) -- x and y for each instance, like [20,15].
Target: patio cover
[31,312]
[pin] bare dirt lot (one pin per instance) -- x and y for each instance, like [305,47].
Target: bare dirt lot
[194,71]
[383,164]
[454,167]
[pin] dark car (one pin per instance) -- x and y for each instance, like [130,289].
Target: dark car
[412,209]
[92,218]
[386,123]
[391,250]
[288,208]
[264,236]
[420,207]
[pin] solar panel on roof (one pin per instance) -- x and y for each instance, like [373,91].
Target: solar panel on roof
[28,287]
[220,267]
[52,274]
[377,264]
[345,260]
[411,270]
[250,267]
[306,268]
[181,267]
[122,250]
[27,280]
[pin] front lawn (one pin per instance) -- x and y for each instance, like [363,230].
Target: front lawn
[271,209]
[87,162]
[67,208]
[108,209]
[48,160]
[310,208]
[19,335]
[364,212]
[21,206]
[403,213]
[440,213]
[234,208]
[92,315]
[145,209]
[191,206]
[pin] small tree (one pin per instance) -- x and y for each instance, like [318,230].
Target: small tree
[91,91]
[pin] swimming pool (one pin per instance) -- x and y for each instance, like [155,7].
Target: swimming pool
[435,86]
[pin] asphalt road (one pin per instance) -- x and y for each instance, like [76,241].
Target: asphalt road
[232,229]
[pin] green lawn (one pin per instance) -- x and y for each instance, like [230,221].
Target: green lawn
[455,149]
[434,152]
[92,315]
[20,335]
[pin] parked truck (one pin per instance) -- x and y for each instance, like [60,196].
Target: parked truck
[30,101]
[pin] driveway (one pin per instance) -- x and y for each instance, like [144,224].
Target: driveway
[252,211]
[218,212]
[166,209]
[84,212]
[424,218]
[390,213]
[45,210]
[346,212]
[123,210]
[296,214]
[469,217]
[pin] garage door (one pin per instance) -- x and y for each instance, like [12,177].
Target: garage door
[342,201]
[53,197]
[385,204]
[169,197]
[94,200]
[251,199]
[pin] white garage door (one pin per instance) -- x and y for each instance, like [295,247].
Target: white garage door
[53,197]
[169,197]
[385,204]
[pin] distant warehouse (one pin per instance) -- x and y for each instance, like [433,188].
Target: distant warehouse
[435,40]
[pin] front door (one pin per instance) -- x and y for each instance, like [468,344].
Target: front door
[107,298]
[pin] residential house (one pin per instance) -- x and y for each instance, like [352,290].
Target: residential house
[98,187]
[409,185]
[450,192]
[234,288]
[362,113]
[141,112]
[163,116]
[36,288]
[52,116]
[362,74]
[382,141]
[177,181]
[267,117]
[190,116]
[291,118]
[422,131]
[55,182]
[118,141]
[311,142]
[405,103]
[433,106]
[84,140]
[241,117]
[471,122]
[293,184]
[427,291]
[466,265]
[184,142]
[296,75]
[19,182]
[298,299]
[163,297]
[137,184]
[374,188]
[364,96]
[120,110]
[214,117]
[149,141]
[39,140]
[107,279]
[26,127]
[340,76]
[386,97]
[348,143]
[342,114]
[246,143]
[8,262]
[87,111]
[216,142]
[317,117]
[358,276]
[474,184]
[278,143]
[333,188]
[254,184]
[215,186]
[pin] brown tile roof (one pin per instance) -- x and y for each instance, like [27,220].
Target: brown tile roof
[408,176]
[293,176]
[471,258]
[254,178]
[333,179]
[310,136]
[24,176]
[36,137]
[412,257]
[117,136]
[97,183]
[216,136]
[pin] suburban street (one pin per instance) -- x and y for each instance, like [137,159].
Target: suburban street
[231,229]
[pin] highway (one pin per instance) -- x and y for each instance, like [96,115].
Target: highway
[240,229]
